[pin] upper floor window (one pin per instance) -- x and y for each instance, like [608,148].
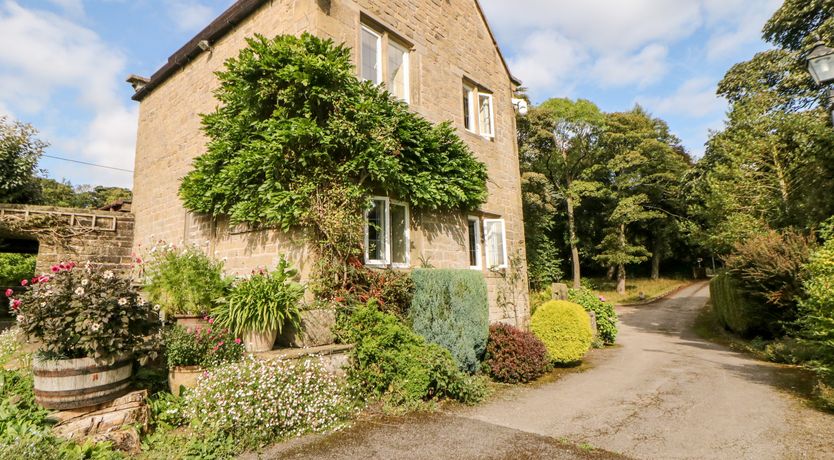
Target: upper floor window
[384,60]
[478,114]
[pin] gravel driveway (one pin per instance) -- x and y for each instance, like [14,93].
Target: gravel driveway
[662,393]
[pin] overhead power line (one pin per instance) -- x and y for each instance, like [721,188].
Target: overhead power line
[90,164]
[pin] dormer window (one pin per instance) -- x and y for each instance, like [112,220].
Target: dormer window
[384,59]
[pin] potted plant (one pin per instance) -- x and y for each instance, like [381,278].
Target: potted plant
[91,325]
[189,353]
[185,283]
[259,306]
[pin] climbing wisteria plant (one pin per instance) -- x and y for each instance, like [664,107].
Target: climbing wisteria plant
[294,122]
[86,311]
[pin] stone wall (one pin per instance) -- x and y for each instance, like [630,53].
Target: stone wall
[450,42]
[81,235]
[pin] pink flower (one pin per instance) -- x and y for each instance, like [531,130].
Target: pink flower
[36,279]
[214,349]
[24,282]
[55,269]
[220,343]
[211,320]
[44,279]
[15,304]
[208,331]
[602,298]
[237,341]
[9,292]
[138,260]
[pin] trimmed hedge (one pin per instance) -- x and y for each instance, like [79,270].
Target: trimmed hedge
[732,308]
[604,311]
[450,308]
[564,328]
[514,355]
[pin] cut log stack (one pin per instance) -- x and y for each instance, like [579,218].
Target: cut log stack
[114,421]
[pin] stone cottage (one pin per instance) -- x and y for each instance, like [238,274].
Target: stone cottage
[437,55]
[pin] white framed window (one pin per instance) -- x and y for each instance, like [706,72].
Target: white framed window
[496,243]
[387,235]
[474,241]
[397,80]
[469,107]
[485,115]
[370,56]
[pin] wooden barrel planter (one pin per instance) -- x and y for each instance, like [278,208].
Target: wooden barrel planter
[75,383]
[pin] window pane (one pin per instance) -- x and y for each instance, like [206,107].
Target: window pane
[376,231]
[370,56]
[473,243]
[496,254]
[467,109]
[485,114]
[398,71]
[399,234]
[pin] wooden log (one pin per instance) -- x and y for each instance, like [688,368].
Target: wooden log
[104,418]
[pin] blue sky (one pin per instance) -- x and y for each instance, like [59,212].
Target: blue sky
[63,62]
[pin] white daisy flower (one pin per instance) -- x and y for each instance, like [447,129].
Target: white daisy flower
[108,274]
[85,282]
[122,301]
[79,291]
[95,327]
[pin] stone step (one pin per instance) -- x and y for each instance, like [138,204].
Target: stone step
[334,357]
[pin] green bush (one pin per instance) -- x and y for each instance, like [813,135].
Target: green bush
[450,308]
[265,301]
[184,281]
[733,309]
[207,348]
[392,362]
[769,268]
[817,309]
[565,329]
[273,398]
[16,267]
[604,311]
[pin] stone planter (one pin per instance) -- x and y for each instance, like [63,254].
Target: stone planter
[75,383]
[183,376]
[316,330]
[192,322]
[256,342]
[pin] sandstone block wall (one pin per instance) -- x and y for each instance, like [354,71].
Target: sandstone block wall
[102,237]
[449,42]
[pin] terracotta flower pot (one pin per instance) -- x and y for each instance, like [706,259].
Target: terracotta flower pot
[183,376]
[255,341]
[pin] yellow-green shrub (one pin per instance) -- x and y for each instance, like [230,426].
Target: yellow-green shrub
[565,329]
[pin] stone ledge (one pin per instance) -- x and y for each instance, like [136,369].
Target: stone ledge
[295,353]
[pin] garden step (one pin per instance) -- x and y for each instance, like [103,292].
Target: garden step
[333,357]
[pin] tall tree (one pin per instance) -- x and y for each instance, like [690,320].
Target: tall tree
[645,164]
[20,150]
[559,155]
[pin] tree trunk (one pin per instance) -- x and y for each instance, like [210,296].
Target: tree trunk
[574,251]
[612,270]
[621,279]
[656,259]
[621,275]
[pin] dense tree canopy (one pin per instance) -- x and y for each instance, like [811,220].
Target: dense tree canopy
[20,151]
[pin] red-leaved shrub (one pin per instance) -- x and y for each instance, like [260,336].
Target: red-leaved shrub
[514,355]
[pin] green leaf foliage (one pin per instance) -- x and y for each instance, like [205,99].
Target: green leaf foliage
[817,309]
[733,308]
[16,267]
[450,308]
[184,280]
[564,328]
[293,117]
[392,362]
[266,301]
[605,315]
[20,151]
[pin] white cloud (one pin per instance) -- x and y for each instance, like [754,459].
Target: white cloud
[549,60]
[642,68]
[55,57]
[74,8]
[734,25]
[695,98]
[190,15]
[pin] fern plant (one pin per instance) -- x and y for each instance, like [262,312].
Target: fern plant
[266,301]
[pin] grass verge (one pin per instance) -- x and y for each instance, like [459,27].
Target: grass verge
[634,287]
